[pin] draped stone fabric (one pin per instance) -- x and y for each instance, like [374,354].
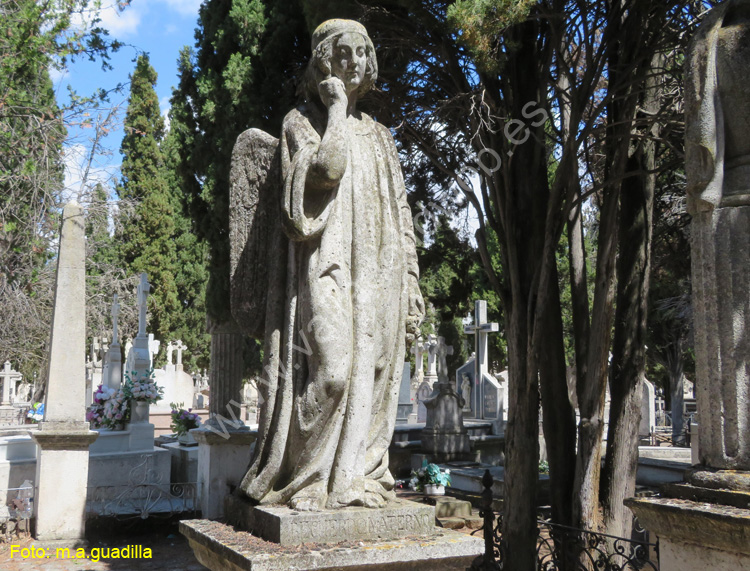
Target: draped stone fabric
[335,325]
[718,183]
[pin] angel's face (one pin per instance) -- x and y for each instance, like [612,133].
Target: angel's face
[349,60]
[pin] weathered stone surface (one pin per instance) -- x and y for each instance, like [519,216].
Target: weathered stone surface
[720,479]
[718,184]
[286,526]
[337,290]
[223,457]
[452,522]
[63,438]
[686,522]
[682,491]
[451,507]
[221,548]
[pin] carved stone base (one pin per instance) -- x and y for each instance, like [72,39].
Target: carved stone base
[221,548]
[285,526]
[695,536]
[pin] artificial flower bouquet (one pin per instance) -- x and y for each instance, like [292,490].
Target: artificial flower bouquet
[183,420]
[144,389]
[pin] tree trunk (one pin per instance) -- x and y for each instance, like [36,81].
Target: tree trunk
[677,386]
[557,411]
[628,352]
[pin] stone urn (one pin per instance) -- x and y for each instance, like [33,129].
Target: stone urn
[434,490]
[138,411]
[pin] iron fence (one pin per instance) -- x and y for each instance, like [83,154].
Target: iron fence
[563,548]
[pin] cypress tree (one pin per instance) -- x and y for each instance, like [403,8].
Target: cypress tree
[147,234]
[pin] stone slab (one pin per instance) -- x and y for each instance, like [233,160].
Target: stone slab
[451,507]
[285,526]
[220,548]
[722,528]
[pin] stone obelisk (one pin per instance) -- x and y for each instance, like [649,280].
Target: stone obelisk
[64,436]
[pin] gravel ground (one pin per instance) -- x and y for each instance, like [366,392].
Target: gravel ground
[169,550]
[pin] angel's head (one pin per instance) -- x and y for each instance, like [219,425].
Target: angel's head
[343,49]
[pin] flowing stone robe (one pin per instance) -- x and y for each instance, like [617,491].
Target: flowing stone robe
[718,182]
[335,322]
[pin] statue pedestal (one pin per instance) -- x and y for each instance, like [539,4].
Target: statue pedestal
[703,523]
[222,462]
[285,526]
[220,547]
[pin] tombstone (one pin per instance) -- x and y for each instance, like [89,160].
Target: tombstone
[444,436]
[423,393]
[170,350]
[431,346]
[112,375]
[467,371]
[404,396]
[648,410]
[9,378]
[482,378]
[63,437]
[139,357]
[153,348]
[180,346]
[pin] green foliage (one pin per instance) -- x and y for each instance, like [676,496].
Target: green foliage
[451,279]
[480,23]
[237,78]
[146,236]
[34,38]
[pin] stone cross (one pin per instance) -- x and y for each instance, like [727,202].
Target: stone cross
[95,349]
[481,329]
[143,288]
[180,348]
[442,350]
[115,315]
[431,347]
[170,349]
[418,350]
[153,347]
[7,374]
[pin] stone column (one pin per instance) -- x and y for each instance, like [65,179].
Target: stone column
[709,526]
[721,309]
[226,375]
[225,443]
[63,437]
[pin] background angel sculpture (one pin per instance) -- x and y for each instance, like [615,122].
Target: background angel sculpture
[324,269]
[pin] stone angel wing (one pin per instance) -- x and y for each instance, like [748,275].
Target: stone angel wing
[257,242]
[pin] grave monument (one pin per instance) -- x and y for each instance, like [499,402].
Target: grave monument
[324,270]
[63,437]
[704,523]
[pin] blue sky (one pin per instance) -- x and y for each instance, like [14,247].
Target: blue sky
[157,27]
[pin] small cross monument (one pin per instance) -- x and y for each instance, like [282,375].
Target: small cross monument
[143,288]
[481,329]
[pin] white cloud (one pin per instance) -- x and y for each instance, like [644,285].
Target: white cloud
[183,7]
[165,106]
[77,180]
[120,24]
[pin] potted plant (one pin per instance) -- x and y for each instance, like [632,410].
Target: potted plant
[142,393]
[182,422]
[430,479]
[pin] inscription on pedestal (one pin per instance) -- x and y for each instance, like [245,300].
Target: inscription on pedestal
[285,526]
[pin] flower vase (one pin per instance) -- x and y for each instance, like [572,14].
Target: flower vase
[186,439]
[434,490]
[138,411]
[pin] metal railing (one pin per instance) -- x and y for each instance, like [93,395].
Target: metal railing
[563,548]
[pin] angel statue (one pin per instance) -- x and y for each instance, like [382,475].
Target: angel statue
[324,270]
